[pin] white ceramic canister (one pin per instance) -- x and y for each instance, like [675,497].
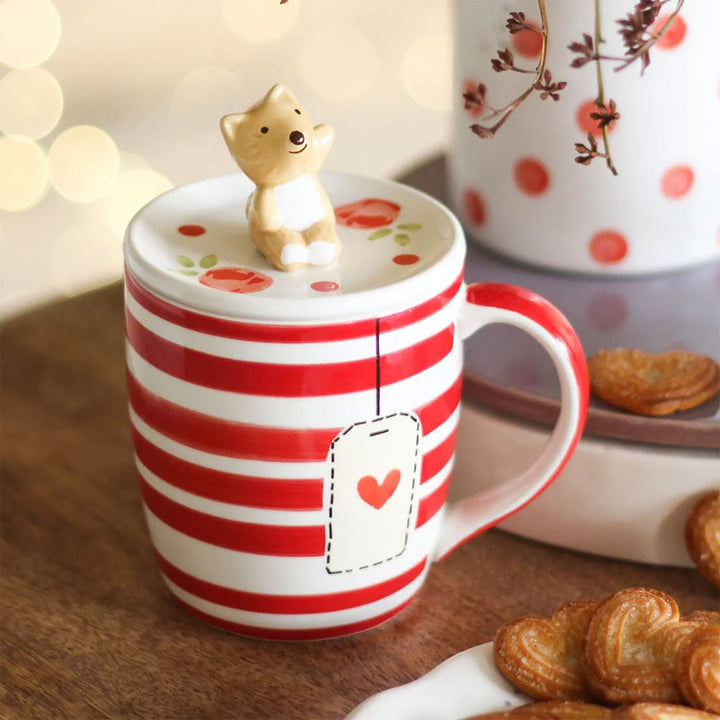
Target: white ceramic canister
[522,194]
[294,433]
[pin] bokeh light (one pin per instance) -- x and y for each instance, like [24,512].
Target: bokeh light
[427,71]
[31,103]
[259,21]
[209,92]
[23,173]
[29,32]
[84,163]
[338,62]
[130,160]
[83,257]
[132,190]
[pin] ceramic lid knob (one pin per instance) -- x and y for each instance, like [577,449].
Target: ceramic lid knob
[290,218]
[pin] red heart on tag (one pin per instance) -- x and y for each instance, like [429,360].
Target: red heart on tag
[375,493]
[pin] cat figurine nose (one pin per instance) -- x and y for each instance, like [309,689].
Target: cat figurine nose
[297,138]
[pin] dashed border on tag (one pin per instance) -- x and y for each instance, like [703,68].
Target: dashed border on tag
[344,432]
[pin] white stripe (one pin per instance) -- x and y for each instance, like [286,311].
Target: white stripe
[433,483]
[300,621]
[317,353]
[281,575]
[298,412]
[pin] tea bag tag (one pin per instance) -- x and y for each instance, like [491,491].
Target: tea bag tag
[374,470]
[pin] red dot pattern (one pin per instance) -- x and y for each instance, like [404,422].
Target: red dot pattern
[608,247]
[675,34]
[531,176]
[677,181]
[191,230]
[474,207]
[324,286]
[528,43]
[406,259]
[588,124]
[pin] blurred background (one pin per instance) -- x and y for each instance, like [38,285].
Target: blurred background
[105,104]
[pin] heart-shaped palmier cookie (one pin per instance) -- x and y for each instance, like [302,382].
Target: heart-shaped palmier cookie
[628,653]
[653,384]
[702,536]
[571,710]
[697,667]
[551,710]
[541,656]
[706,617]
[659,711]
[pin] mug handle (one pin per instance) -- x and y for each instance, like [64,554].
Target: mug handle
[487,303]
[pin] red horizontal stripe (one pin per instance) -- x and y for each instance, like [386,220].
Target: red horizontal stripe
[262,332]
[287,604]
[430,505]
[227,437]
[419,312]
[437,411]
[435,460]
[242,376]
[279,380]
[405,363]
[257,442]
[322,633]
[289,541]
[260,492]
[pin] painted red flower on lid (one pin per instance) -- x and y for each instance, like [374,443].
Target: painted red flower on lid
[227,278]
[234,279]
[367,214]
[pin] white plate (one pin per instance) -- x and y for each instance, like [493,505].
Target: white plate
[464,685]
[618,499]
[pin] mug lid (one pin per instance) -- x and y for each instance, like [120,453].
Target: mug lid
[192,246]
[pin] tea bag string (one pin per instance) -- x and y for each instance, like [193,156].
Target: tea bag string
[377,367]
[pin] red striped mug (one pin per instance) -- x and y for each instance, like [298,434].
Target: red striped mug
[294,433]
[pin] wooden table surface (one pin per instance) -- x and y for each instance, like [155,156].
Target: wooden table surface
[88,628]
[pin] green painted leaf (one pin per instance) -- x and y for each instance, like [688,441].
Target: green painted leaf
[402,238]
[381,233]
[183,271]
[409,226]
[185,261]
[208,261]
